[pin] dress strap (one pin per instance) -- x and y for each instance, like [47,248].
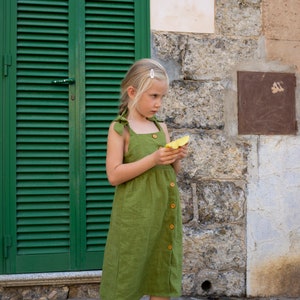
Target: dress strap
[156,122]
[121,122]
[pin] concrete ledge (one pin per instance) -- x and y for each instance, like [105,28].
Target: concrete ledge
[58,278]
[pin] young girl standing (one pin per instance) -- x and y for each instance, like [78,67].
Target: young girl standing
[143,254]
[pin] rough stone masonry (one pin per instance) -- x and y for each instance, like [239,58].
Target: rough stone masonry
[213,183]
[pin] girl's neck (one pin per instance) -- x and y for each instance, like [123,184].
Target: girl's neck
[134,115]
[140,124]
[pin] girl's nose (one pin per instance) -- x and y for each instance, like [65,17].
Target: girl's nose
[158,103]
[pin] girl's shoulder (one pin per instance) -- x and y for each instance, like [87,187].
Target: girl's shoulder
[159,121]
[164,127]
[119,124]
[162,124]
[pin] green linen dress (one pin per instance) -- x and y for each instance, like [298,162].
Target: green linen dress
[143,254]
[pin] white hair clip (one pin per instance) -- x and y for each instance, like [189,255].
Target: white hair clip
[152,73]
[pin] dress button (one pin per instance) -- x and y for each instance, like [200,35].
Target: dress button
[173,205]
[172,184]
[171,226]
[170,247]
[154,136]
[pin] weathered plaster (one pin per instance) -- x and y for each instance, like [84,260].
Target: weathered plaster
[273,189]
[273,224]
[182,16]
[281,27]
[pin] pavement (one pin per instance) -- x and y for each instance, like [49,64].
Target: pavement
[147,298]
[207,298]
[181,298]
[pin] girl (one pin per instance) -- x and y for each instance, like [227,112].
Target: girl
[143,254]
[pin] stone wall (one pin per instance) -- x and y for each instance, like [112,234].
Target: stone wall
[51,292]
[218,171]
[50,286]
[213,180]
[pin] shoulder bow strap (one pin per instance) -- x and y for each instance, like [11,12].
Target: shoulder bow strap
[155,120]
[121,122]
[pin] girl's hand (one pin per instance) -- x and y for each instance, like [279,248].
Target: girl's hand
[183,151]
[165,156]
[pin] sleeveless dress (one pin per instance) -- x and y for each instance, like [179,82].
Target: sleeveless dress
[143,253]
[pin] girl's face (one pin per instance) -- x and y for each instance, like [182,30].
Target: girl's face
[151,100]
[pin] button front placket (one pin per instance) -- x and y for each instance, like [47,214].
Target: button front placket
[171,226]
[172,205]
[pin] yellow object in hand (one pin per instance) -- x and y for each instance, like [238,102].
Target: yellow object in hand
[179,142]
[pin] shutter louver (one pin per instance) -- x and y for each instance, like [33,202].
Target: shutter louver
[110,50]
[42,132]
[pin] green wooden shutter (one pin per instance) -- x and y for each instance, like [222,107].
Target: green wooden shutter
[110,49]
[58,207]
[42,137]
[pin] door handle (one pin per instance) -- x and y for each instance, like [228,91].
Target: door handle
[64,81]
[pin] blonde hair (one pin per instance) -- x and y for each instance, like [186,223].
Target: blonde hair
[140,76]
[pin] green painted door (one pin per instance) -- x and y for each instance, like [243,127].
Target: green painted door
[62,66]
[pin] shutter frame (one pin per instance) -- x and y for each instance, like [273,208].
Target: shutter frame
[142,34]
[8,17]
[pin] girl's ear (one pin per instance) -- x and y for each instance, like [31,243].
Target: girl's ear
[131,92]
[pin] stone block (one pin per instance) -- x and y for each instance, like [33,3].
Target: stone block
[202,57]
[84,291]
[220,202]
[169,49]
[213,156]
[281,20]
[214,58]
[214,255]
[167,45]
[212,202]
[287,52]
[35,293]
[238,18]
[194,104]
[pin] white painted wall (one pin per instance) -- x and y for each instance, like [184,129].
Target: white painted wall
[182,15]
[273,217]
[273,199]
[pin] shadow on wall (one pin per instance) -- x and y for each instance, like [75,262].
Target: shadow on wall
[277,277]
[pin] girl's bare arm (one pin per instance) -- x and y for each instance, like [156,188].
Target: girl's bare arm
[119,172]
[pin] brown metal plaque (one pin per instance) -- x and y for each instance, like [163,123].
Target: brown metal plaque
[266,103]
